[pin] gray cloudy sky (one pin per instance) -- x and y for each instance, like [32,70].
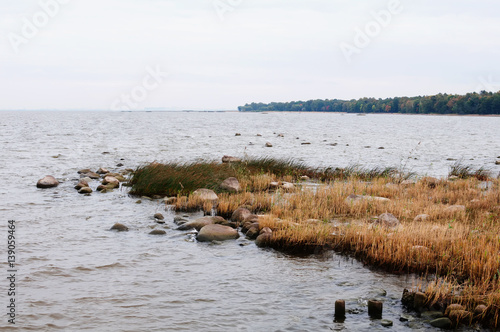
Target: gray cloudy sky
[219,54]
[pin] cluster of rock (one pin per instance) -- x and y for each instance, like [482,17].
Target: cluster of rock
[109,180]
[440,315]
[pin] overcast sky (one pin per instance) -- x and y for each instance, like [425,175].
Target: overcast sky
[219,54]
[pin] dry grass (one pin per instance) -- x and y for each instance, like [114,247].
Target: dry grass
[462,248]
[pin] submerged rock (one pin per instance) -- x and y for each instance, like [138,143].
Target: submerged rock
[157,232]
[119,227]
[159,216]
[231,184]
[216,232]
[47,182]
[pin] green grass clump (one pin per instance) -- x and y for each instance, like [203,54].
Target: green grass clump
[170,179]
[466,172]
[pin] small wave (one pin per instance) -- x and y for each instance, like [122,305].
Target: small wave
[110,266]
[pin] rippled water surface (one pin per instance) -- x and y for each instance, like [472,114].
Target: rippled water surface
[74,274]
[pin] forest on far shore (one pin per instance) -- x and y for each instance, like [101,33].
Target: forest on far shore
[483,103]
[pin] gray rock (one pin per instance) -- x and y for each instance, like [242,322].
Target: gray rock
[253,231]
[442,323]
[388,220]
[47,182]
[453,209]
[92,175]
[119,227]
[421,217]
[216,232]
[205,194]
[240,214]
[353,199]
[180,221]
[231,184]
[386,322]
[265,237]
[431,315]
[230,159]
[159,216]
[199,223]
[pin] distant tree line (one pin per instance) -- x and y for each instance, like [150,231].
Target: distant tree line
[471,103]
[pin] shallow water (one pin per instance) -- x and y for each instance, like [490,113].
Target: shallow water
[74,274]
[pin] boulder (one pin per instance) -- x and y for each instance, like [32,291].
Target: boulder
[388,220]
[111,180]
[452,209]
[199,223]
[442,323]
[264,238]
[421,217]
[253,231]
[105,188]
[269,145]
[230,159]
[81,184]
[157,232]
[92,175]
[205,194]
[180,221]
[231,184]
[47,182]
[353,199]
[459,315]
[216,232]
[240,214]
[85,190]
[102,171]
[119,227]
[84,171]
[159,216]
[453,307]
[480,310]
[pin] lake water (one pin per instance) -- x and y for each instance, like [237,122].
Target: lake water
[74,274]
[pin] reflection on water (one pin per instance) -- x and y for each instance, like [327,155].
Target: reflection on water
[75,274]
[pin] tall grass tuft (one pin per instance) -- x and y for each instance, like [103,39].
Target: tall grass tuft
[466,171]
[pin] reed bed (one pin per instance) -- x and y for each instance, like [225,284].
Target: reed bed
[458,241]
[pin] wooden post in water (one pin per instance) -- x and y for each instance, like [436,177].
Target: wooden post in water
[375,309]
[339,310]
